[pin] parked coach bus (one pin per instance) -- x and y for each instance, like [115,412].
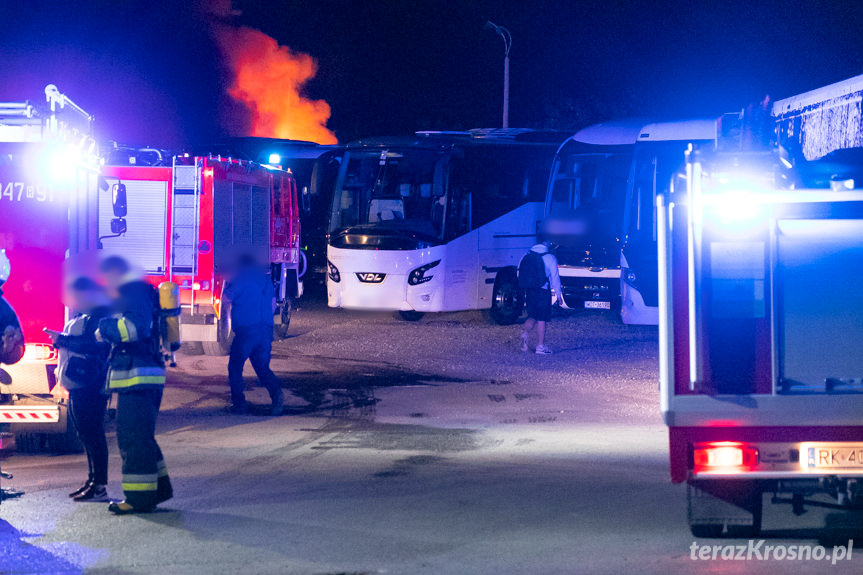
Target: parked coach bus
[601,210]
[438,221]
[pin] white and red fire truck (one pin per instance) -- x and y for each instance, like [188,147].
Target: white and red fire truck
[49,203]
[189,220]
[761,319]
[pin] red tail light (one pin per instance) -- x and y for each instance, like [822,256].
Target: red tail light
[724,457]
[40,352]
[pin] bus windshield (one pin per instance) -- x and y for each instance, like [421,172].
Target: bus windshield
[390,189]
[590,187]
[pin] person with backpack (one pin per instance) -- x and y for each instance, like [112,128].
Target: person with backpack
[136,373]
[539,278]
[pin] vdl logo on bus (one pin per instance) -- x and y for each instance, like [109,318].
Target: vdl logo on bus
[370,278]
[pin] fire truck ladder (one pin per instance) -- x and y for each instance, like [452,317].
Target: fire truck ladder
[186,191]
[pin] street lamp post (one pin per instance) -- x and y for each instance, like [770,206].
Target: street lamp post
[507,44]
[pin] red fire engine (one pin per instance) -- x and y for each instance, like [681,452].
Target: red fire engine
[49,202]
[189,220]
[761,319]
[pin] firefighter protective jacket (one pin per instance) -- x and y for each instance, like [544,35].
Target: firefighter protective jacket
[135,361]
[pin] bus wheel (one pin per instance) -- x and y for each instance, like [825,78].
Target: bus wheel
[411,315]
[507,299]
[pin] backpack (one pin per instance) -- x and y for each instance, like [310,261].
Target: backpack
[531,271]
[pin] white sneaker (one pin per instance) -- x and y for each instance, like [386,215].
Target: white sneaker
[525,339]
[543,350]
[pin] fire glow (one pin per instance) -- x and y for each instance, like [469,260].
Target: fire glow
[268,80]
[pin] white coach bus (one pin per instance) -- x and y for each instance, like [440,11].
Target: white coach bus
[601,210]
[437,222]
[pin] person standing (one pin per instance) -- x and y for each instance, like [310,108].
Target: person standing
[136,373]
[252,299]
[539,277]
[82,367]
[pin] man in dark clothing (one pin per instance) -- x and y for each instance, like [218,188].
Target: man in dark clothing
[136,373]
[539,295]
[252,298]
[83,365]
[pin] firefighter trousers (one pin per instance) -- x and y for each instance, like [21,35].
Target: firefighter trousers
[145,476]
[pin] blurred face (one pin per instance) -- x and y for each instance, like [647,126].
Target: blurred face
[113,281]
[72,299]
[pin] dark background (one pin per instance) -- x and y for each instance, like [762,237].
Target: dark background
[152,74]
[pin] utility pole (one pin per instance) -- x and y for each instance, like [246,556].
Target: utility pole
[507,44]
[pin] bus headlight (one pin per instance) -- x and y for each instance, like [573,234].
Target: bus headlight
[333,272]
[629,277]
[418,276]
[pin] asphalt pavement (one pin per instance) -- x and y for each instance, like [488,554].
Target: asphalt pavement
[430,447]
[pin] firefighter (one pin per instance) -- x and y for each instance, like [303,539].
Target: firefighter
[136,373]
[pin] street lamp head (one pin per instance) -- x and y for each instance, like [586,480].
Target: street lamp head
[503,33]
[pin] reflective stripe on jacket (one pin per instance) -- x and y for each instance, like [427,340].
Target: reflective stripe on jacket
[135,358]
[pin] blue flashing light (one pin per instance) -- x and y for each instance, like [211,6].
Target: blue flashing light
[275,159]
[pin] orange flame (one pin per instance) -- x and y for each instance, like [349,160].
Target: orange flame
[268,80]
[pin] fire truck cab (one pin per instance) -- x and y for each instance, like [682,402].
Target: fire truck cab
[761,323]
[192,217]
[50,192]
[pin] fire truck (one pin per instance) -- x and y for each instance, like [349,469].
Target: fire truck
[50,192]
[191,217]
[761,319]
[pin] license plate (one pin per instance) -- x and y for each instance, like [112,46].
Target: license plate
[597,305]
[826,456]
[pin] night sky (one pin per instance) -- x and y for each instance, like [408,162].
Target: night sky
[154,76]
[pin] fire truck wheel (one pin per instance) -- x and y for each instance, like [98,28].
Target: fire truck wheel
[60,443]
[215,348]
[507,299]
[222,345]
[281,329]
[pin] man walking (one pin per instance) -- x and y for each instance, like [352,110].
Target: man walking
[252,298]
[137,375]
[540,279]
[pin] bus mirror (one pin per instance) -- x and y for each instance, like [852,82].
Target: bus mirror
[118,226]
[118,193]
